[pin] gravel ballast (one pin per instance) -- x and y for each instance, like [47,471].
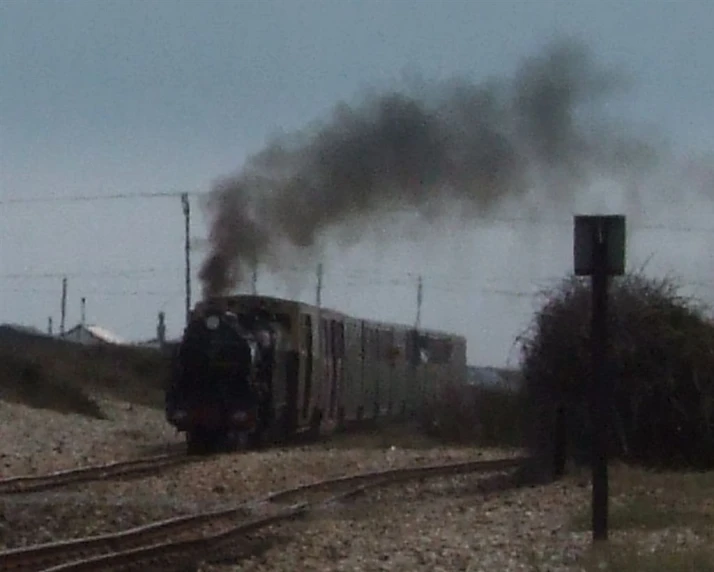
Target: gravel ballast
[441,524]
[37,442]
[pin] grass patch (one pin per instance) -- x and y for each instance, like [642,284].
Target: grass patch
[658,521]
[652,500]
[647,514]
[383,435]
[628,559]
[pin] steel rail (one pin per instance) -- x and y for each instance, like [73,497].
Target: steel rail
[192,535]
[132,467]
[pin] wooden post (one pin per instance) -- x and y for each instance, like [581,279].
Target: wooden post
[63,309]
[187,251]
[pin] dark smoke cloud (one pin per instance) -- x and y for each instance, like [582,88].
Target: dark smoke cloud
[461,144]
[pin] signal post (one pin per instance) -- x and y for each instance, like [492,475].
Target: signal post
[599,252]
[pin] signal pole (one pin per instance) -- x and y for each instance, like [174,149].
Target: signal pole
[600,386]
[599,252]
[318,294]
[187,250]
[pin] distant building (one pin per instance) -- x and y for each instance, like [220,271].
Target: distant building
[493,377]
[484,376]
[92,335]
[156,343]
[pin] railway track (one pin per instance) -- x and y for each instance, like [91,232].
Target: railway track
[181,541]
[134,467]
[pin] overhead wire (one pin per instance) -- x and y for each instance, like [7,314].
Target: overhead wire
[537,221]
[101,292]
[517,287]
[97,197]
[445,282]
[112,273]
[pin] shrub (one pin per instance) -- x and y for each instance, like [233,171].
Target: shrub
[489,416]
[660,366]
[42,371]
[27,380]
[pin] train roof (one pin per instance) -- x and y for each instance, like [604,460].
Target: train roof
[303,306]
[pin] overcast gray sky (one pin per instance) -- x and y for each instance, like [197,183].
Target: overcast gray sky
[100,97]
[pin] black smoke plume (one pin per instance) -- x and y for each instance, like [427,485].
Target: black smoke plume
[454,144]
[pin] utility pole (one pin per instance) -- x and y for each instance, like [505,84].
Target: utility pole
[318,296]
[83,320]
[255,278]
[63,307]
[161,330]
[420,296]
[187,250]
[49,325]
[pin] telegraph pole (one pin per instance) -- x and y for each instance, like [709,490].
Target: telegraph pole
[420,296]
[255,278]
[63,307]
[318,295]
[187,250]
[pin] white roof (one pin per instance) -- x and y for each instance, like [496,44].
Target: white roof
[106,335]
[99,333]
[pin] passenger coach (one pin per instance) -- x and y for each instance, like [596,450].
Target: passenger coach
[329,369]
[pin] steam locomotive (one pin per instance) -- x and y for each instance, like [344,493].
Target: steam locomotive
[255,367]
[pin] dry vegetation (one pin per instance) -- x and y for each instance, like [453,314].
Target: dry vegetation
[489,416]
[50,374]
[661,371]
[658,521]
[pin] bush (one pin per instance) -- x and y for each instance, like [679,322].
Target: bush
[42,371]
[661,367]
[26,380]
[488,416]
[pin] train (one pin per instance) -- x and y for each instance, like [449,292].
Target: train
[251,368]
